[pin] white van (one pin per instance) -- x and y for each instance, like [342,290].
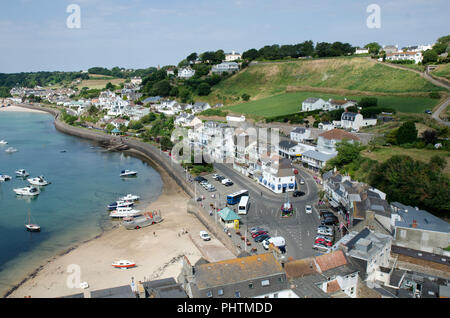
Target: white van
[244,205]
[277,241]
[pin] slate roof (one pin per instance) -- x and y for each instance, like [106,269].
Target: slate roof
[236,270]
[311,100]
[320,156]
[116,292]
[424,219]
[164,288]
[228,215]
[299,130]
[287,144]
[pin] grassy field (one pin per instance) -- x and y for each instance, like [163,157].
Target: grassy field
[288,103]
[381,154]
[99,81]
[362,74]
[443,71]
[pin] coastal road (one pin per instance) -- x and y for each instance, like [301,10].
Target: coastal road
[298,230]
[438,112]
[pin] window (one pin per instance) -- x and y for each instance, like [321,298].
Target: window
[237,294]
[220,292]
[209,294]
[250,285]
[265,282]
[281,279]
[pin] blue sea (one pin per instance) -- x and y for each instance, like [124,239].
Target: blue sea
[70,210]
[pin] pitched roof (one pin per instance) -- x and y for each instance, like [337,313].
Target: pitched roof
[228,215]
[299,130]
[300,268]
[331,260]
[236,270]
[333,287]
[338,134]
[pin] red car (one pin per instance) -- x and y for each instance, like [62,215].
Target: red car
[324,242]
[256,234]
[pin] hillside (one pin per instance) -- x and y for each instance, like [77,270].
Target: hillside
[361,74]
[443,71]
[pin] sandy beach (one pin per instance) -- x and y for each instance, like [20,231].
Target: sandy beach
[157,251]
[19,109]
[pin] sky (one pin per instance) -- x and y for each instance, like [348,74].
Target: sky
[34,35]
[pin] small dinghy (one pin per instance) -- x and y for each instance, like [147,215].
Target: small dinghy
[128,173]
[123,264]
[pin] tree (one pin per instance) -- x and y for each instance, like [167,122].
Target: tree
[407,133]
[161,88]
[347,153]
[430,136]
[184,94]
[250,55]
[4,92]
[430,56]
[374,47]
[245,97]
[368,102]
[166,143]
[204,89]
[92,110]
[192,57]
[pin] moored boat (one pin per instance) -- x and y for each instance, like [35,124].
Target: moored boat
[38,181]
[124,212]
[130,197]
[123,264]
[30,191]
[11,150]
[4,177]
[22,173]
[146,219]
[128,173]
[120,204]
[3,142]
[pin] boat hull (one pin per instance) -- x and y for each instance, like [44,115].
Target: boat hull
[142,221]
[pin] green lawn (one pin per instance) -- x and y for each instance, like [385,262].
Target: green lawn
[289,103]
[443,71]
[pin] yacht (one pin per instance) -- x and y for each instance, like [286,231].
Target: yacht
[3,142]
[130,197]
[38,181]
[124,212]
[128,173]
[22,173]
[4,177]
[11,150]
[120,204]
[30,190]
[30,226]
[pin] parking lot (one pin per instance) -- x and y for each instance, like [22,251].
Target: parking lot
[298,230]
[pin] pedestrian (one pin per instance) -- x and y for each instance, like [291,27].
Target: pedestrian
[154,233]
[261,193]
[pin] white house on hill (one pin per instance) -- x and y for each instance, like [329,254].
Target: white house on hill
[354,121]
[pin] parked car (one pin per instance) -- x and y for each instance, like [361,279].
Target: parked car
[200,179]
[229,184]
[278,241]
[325,231]
[323,242]
[321,247]
[308,209]
[256,234]
[325,213]
[214,176]
[429,112]
[262,237]
[298,193]
[326,238]
[330,220]
[220,178]
[257,229]
[302,181]
[205,236]
[225,180]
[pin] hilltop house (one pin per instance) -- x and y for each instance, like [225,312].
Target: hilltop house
[186,72]
[233,56]
[354,121]
[313,103]
[361,51]
[225,67]
[199,107]
[300,134]
[417,57]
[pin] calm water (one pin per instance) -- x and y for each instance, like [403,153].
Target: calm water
[72,208]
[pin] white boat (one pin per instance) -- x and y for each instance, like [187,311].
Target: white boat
[38,181]
[130,197]
[123,264]
[120,204]
[30,226]
[22,173]
[124,212]
[30,190]
[4,177]
[3,142]
[11,150]
[128,173]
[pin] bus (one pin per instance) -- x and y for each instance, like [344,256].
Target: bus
[234,198]
[244,205]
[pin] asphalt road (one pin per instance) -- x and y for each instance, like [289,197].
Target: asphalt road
[299,230]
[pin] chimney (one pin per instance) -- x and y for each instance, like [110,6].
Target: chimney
[414,224]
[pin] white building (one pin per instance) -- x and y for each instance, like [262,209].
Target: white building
[361,51]
[278,176]
[326,142]
[300,134]
[225,67]
[316,160]
[417,57]
[313,103]
[354,121]
[136,81]
[236,119]
[233,56]
[186,72]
